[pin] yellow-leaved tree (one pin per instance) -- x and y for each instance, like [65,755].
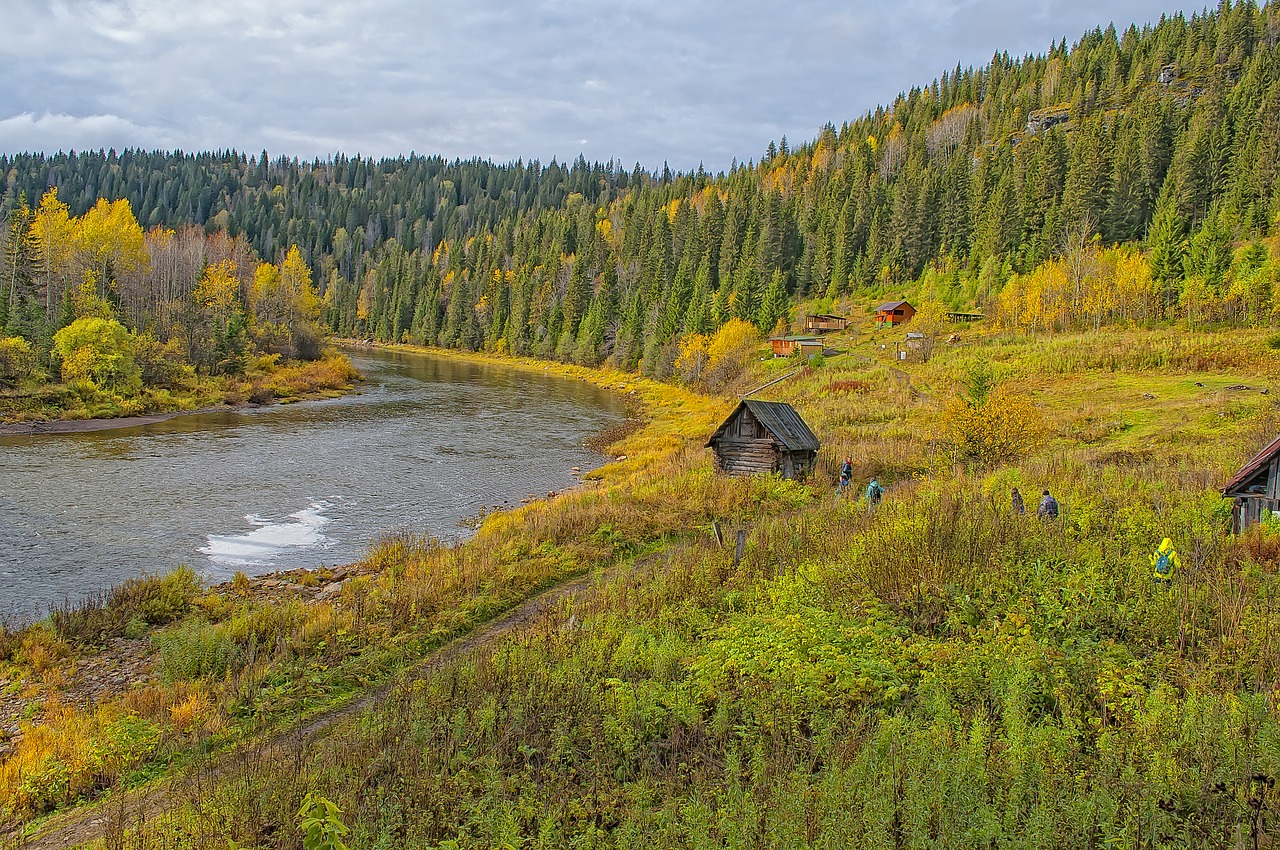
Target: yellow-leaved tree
[729,351]
[110,242]
[217,343]
[284,307]
[991,422]
[53,233]
[693,357]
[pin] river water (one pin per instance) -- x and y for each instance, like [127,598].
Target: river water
[427,443]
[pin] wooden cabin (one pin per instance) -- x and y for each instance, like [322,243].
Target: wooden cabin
[764,436]
[1255,489]
[893,313]
[824,324]
[785,346]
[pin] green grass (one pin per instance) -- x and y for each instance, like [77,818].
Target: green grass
[937,673]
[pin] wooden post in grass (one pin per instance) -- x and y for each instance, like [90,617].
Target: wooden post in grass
[742,544]
[715,529]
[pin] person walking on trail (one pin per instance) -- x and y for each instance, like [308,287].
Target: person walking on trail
[1015,497]
[846,476]
[874,493]
[1048,507]
[1164,562]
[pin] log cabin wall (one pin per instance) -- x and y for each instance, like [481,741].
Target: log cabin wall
[746,447]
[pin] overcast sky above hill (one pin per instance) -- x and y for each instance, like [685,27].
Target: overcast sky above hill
[637,80]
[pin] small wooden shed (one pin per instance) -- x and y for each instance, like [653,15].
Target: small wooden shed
[785,346]
[824,324]
[893,313]
[1255,489]
[764,436]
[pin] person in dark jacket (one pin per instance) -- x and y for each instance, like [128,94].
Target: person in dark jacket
[1048,507]
[1016,498]
[846,476]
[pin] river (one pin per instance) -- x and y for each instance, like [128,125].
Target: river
[425,444]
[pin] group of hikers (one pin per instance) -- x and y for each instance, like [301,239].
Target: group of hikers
[874,492]
[1048,505]
[1164,561]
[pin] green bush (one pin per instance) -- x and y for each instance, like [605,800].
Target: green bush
[194,649]
[16,360]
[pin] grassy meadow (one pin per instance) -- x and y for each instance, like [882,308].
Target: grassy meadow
[936,672]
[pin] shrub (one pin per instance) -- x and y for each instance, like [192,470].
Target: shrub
[129,608]
[98,351]
[194,649]
[16,360]
[1002,426]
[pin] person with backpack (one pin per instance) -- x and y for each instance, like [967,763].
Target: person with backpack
[1048,507]
[846,477]
[874,493]
[1164,562]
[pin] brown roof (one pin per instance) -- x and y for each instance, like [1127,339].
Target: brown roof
[891,305]
[1253,467]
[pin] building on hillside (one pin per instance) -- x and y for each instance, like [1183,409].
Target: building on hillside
[824,324]
[785,346]
[893,313]
[1255,489]
[764,436]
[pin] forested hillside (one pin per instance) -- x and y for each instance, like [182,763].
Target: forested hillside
[1166,137]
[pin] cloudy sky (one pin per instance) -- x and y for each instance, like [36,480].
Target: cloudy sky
[685,81]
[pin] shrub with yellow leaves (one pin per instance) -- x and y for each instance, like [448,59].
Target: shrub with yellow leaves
[999,425]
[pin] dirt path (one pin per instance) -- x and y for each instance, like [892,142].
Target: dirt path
[83,825]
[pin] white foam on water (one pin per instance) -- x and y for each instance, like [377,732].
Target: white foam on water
[270,538]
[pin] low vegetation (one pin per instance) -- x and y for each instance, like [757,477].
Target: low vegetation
[938,671]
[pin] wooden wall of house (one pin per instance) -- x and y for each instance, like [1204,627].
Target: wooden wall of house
[740,456]
[1251,510]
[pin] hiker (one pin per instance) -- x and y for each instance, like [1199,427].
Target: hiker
[874,493]
[1016,498]
[1048,507]
[1164,562]
[846,476]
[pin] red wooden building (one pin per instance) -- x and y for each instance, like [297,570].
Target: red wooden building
[892,313]
[785,346]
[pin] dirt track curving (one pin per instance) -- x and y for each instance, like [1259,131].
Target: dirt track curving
[80,826]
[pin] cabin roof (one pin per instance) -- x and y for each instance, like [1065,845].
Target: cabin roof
[891,305]
[780,419]
[795,339]
[825,316]
[1256,464]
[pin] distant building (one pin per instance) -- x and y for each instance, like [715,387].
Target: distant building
[823,324]
[1255,489]
[764,436]
[893,313]
[785,346]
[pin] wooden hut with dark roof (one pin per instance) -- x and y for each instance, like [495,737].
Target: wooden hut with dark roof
[764,436]
[1255,489]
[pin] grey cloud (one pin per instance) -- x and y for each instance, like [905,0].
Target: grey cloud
[638,80]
